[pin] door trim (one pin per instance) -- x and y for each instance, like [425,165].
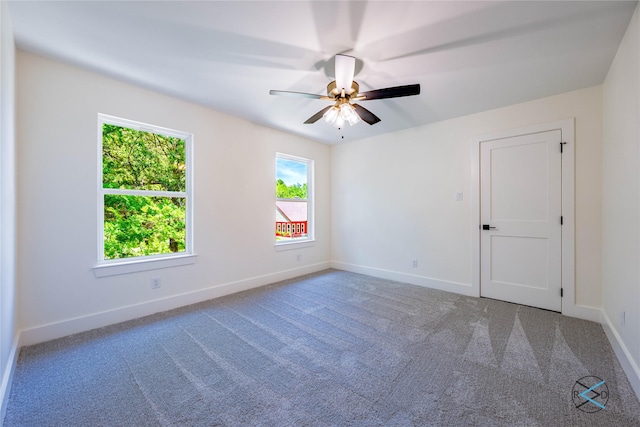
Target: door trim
[567,129]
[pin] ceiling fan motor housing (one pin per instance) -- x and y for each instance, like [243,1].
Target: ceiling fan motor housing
[333,91]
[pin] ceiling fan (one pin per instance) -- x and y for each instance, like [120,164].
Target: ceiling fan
[343,90]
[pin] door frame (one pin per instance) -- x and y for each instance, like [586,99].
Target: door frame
[567,128]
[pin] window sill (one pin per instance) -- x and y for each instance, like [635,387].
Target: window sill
[135,266]
[287,246]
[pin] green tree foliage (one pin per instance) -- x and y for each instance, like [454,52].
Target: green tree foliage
[295,191]
[133,159]
[143,225]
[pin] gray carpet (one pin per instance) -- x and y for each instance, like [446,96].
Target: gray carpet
[329,349]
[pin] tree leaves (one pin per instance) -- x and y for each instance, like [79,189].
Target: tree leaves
[139,160]
[142,225]
[295,191]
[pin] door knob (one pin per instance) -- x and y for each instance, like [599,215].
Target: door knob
[487,227]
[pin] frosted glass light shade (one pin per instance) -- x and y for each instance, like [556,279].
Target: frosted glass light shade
[349,114]
[331,115]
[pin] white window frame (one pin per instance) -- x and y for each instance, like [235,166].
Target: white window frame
[110,267]
[310,239]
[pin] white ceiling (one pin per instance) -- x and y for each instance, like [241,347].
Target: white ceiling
[227,55]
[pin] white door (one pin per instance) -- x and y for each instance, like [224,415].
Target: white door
[520,213]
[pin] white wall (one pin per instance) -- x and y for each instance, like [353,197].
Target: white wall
[394,196]
[234,202]
[7,206]
[621,198]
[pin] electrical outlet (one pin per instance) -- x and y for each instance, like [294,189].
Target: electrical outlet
[459,196]
[414,263]
[155,283]
[622,318]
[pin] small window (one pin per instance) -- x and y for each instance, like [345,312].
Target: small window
[144,191]
[294,201]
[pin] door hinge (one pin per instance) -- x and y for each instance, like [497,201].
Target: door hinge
[561,292]
[562,147]
[561,220]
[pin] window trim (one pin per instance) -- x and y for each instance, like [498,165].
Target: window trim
[310,239]
[109,267]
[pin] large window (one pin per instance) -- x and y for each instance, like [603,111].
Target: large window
[294,207]
[144,191]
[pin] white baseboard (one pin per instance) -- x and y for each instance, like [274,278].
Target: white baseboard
[7,377]
[577,311]
[582,312]
[427,282]
[63,328]
[629,365]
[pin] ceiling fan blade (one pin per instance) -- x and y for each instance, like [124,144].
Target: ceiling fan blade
[345,67]
[296,94]
[392,92]
[366,115]
[317,116]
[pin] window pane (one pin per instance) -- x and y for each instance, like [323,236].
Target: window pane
[139,160]
[292,207]
[291,179]
[291,219]
[141,225]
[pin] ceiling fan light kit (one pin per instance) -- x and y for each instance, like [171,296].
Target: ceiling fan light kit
[343,90]
[337,116]
[332,116]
